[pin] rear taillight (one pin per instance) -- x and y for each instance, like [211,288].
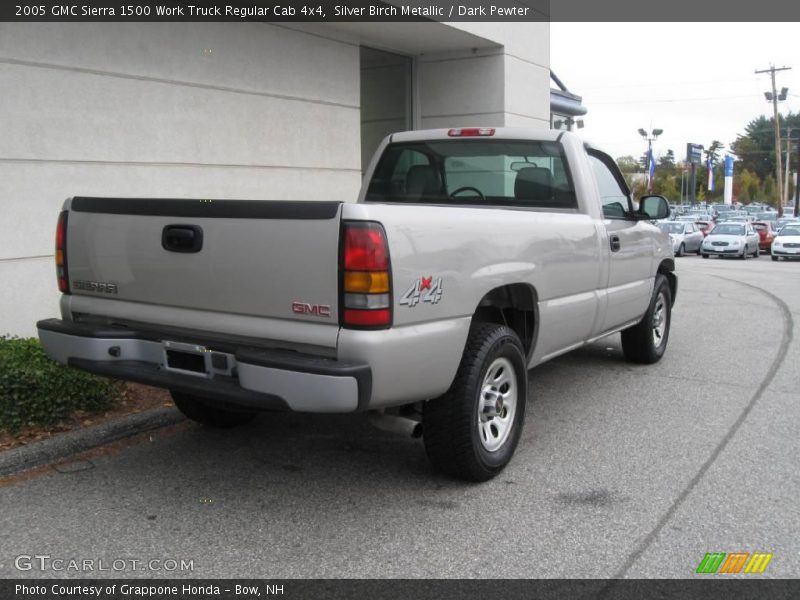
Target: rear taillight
[61,253]
[365,280]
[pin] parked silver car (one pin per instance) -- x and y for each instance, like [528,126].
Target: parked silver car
[731,238]
[685,236]
[787,242]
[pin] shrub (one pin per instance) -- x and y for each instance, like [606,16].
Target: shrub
[34,390]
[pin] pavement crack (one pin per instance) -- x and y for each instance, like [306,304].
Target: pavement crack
[783,348]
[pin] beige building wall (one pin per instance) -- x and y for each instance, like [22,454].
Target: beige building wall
[223,110]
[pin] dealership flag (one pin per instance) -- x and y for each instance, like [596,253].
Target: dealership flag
[651,171]
[710,166]
[728,192]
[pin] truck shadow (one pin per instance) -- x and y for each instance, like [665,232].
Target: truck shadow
[298,451]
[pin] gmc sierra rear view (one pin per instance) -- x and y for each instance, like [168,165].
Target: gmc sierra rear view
[471,256]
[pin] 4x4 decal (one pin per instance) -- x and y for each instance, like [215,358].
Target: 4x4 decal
[424,289]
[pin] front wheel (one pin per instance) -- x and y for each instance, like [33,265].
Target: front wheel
[705,255]
[646,342]
[471,431]
[775,258]
[202,412]
[681,250]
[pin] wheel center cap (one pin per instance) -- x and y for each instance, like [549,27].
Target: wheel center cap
[492,403]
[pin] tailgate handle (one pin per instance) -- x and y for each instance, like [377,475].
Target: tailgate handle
[182,238]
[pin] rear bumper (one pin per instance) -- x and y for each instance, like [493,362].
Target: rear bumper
[252,378]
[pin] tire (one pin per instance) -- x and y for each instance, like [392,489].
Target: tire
[744,253]
[704,255]
[646,342]
[461,440]
[757,252]
[681,250]
[199,411]
[775,258]
[700,249]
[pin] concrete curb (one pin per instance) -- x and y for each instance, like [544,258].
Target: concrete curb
[79,440]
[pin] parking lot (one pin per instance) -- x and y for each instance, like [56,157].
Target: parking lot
[623,470]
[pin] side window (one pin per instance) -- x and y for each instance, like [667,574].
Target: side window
[615,200]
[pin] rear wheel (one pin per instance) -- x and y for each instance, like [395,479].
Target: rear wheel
[202,412]
[757,253]
[471,431]
[646,342]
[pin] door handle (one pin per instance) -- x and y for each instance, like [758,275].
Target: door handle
[182,238]
[614,242]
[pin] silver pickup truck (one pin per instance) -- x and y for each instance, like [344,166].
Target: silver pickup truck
[471,256]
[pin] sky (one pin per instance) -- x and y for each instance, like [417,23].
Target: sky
[695,81]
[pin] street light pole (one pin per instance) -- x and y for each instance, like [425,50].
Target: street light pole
[653,135]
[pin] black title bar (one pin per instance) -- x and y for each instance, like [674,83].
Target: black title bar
[510,11]
[709,588]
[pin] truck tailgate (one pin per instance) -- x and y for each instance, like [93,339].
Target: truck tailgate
[270,259]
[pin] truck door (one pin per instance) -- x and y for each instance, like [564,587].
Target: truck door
[628,247]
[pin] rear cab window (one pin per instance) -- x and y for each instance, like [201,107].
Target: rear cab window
[471,172]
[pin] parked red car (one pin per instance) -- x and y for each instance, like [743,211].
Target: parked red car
[705,226]
[766,233]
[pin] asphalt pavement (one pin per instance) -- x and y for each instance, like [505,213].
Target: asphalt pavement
[623,471]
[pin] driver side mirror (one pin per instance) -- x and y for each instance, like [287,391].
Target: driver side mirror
[654,207]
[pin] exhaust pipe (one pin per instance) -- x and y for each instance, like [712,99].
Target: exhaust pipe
[394,424]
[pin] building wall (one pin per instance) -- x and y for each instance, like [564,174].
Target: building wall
[223,110]
[505,83]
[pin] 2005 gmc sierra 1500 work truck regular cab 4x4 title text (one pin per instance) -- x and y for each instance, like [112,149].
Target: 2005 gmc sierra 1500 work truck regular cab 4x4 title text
[471,256]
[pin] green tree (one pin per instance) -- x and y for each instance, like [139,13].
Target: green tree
[628,164]
[756,147]
[712,152]
[668,186]
[746,185]
[666,163]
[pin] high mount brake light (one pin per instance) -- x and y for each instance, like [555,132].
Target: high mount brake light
[365,279]
[61,253]
[471,132]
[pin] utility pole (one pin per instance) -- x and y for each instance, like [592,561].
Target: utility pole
[774,97]
[786,181]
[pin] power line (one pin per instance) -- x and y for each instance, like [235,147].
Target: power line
[670,100]
[661,83]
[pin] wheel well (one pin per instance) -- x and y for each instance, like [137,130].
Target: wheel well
[513,305]
[667,269]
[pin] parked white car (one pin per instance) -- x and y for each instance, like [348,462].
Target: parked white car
[787,242]
[684,236]
[731,238]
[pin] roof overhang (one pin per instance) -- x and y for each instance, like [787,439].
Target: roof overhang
[566,103]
